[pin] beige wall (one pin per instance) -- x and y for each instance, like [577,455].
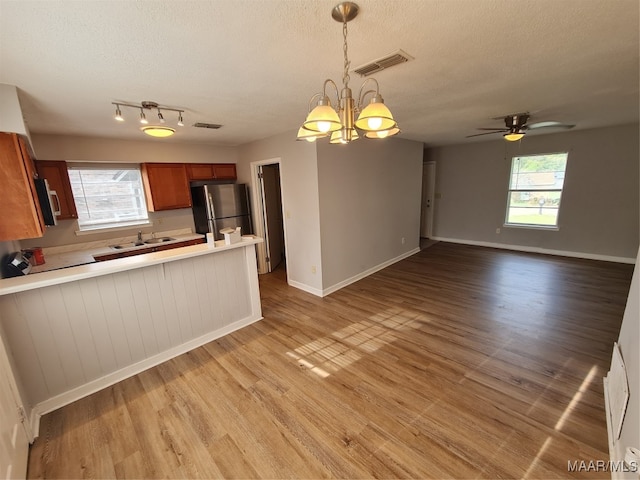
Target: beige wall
[370,193]
[599,213]
[299,180]
[93,149]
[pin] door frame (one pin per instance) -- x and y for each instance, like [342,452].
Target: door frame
[258,210]
[428,196]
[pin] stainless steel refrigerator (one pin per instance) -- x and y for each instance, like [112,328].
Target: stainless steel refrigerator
[218,206]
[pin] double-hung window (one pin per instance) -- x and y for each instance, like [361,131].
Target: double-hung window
[108,196]
[535,190]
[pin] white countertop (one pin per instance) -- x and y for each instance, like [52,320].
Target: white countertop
[64,275]
[64,257]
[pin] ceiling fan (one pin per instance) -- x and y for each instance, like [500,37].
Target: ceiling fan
[516,126]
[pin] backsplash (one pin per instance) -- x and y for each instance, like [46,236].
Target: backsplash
[65,232]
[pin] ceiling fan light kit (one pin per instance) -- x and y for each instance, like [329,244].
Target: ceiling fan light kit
[323,120]
[516,127]
[157,131]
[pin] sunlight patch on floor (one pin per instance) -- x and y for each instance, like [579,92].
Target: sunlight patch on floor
[327,355]
[576,397]
[533,464]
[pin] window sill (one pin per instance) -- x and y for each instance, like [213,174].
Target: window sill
[550,228]
[131,226]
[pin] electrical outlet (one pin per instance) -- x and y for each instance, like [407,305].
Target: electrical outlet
[313,269]
[498,231]
[402,240]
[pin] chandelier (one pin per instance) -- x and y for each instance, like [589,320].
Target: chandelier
[152,130]
[374,120]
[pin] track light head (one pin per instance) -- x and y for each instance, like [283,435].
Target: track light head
[160,116]
[143,118]
[180,121]
[118,116]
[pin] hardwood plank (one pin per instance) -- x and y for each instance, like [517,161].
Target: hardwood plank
[458,362]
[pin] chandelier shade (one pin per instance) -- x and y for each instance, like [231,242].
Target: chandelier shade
[376,117]
[309,135]
[323,120]
[383,133]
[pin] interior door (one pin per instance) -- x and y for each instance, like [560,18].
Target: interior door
[272,204]
[14,444]
[428,198]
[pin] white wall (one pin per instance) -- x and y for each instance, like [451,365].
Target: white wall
[370,195]
[599,212]
[629,341]
[299,176]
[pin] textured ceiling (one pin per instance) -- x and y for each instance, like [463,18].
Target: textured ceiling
[253,65]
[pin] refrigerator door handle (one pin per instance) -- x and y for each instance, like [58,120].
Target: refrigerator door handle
[210,211]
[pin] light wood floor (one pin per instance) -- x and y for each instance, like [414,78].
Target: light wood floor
[460,361]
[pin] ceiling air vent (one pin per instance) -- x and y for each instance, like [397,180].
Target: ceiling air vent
[213,126]
[390,60]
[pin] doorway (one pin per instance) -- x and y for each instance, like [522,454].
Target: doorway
[428,199]
[269,217]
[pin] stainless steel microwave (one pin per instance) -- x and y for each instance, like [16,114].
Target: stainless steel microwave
[46,198]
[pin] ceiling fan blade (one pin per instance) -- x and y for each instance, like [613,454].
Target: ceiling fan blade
[533,126]
[486,133]
[494,129]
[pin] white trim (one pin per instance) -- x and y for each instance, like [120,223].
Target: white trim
[98,384]
[258,210]
[544,251]
[349,281]
[615,475]
[109,229]
[305,288]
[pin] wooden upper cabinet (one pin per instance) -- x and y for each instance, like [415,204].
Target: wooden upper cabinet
[225,171]
[56,173]
[166,186]
[21,215]
[212,171]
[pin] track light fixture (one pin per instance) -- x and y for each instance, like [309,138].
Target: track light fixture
[152,130]
[375,120]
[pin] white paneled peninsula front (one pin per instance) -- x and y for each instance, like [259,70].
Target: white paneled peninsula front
[74,331]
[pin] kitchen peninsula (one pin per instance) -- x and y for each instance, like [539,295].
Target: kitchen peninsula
[77,330]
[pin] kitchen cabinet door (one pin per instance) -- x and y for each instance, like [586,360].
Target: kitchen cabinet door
[55,172]
[225,171]
[200,171]
[212,171]
[21,215]
[166,186]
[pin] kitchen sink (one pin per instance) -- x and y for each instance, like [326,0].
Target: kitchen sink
[159,240]
[126,245]
[151,241]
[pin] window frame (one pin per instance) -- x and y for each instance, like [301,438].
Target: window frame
[510,190]
[110,226]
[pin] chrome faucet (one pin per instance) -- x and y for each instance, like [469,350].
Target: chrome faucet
[139,236]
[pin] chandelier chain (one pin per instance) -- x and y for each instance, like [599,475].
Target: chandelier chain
[345,75]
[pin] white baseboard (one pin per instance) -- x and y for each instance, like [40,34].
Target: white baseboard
[545,251]
[367,272]
[305,288]
[98,384]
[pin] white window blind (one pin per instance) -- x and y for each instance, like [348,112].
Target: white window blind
[535,190]
[108,196]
